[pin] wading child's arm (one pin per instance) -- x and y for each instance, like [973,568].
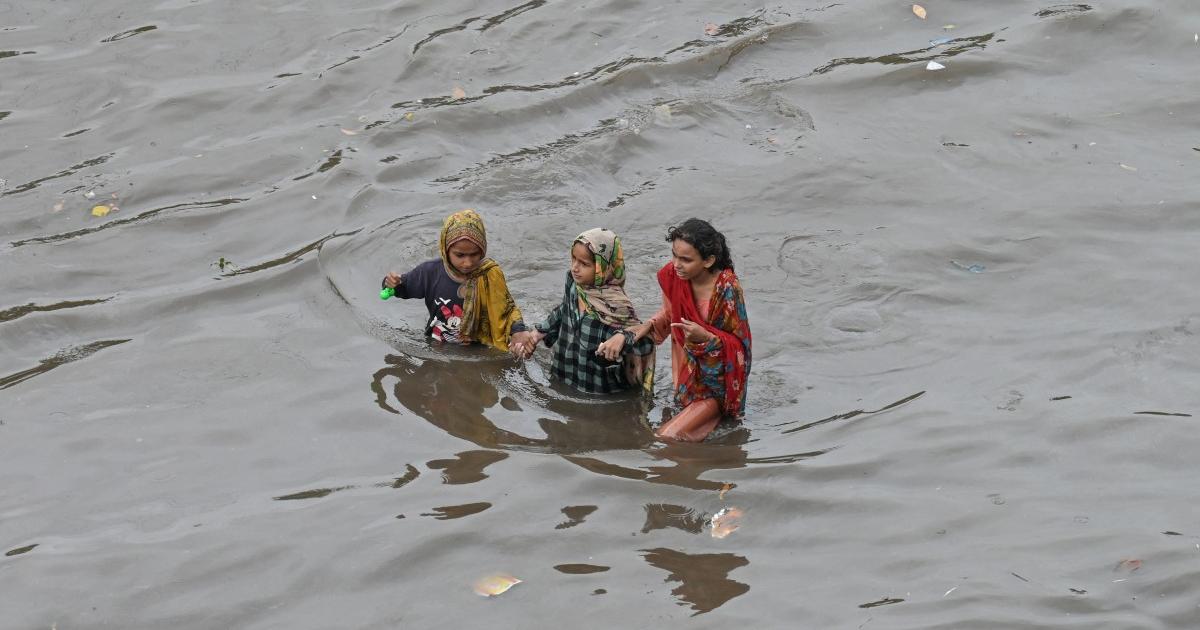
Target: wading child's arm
[616,345]
[524,343]
[407,286]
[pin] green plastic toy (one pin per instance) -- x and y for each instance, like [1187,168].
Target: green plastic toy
[386,293]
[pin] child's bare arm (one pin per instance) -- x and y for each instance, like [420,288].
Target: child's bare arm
[614,346]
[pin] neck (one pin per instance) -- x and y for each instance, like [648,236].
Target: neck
[704,279]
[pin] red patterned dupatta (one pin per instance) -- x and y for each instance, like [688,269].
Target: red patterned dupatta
[719,368]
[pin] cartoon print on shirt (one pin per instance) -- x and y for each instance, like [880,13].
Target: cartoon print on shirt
[446,322]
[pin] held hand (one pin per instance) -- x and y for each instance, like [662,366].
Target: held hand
[524,343]
[392,280]
[612,348]
[694,332]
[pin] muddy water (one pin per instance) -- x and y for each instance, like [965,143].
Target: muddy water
[971,289]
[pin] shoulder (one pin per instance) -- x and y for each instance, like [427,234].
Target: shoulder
[493,269]
[429,268]
[728,285]
[727,278]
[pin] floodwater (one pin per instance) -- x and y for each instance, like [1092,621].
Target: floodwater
[972,292]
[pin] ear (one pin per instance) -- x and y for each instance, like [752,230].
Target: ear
[709,262]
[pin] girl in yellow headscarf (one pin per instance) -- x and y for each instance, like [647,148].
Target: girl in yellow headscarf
[465,291]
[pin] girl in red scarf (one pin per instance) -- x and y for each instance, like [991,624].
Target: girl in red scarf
[704,314]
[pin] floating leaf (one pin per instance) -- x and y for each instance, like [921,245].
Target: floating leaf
[100,211]
[1128,565]
[494,585]
[725,522]
[457,93]
[933,65]
[408,116]
[919,11]
[350,132]
[725,488]
[711,29]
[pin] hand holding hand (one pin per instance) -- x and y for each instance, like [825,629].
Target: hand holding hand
[694,332]
[392,280]
[524,343]
[612,348]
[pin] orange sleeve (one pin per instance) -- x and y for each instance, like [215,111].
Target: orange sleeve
[660,322]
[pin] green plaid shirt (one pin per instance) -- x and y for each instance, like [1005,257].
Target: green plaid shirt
[575,336]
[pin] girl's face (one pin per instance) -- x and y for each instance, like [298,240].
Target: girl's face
[583,265]
[465,256]
[687,261]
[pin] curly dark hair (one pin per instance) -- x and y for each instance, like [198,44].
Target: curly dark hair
[705,238]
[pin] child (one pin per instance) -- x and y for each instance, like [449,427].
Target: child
[705,316]
[592,351]
[464,292]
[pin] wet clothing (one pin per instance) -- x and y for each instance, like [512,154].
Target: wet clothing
[430,282]
[720,367]
[489,313]
[575,333]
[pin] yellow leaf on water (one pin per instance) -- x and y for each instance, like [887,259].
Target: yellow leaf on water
[494,585]
[1128,565]
[458,93]
[725,522]
[408,116]
[725,487]
[100,211]
[919,11]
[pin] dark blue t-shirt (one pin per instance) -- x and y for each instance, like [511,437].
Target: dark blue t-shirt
[429,281]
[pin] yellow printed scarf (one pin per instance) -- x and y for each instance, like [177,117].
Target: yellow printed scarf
[488,308]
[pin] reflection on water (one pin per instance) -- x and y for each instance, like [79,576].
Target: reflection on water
[681,464]
[580,568]
[663,515]
[408,477]
[467,467]
[704,577]
[450,512]
[468,398]
[575,515]
[450,396]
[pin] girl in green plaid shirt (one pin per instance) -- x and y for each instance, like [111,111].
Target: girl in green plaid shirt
[592,350]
